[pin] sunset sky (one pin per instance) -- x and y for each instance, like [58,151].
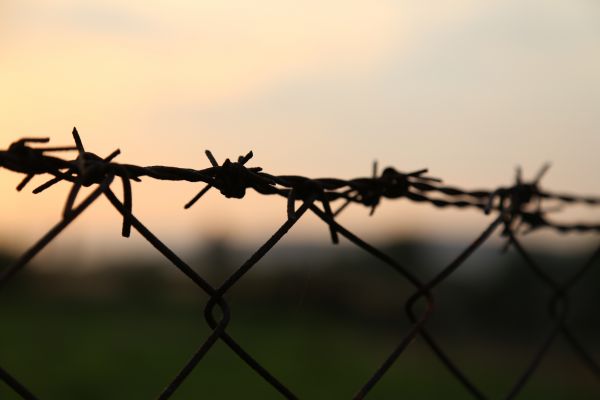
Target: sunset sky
[469,89]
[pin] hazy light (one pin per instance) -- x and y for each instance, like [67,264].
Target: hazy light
[468,89]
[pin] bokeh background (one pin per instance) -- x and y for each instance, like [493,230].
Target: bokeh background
[465,88]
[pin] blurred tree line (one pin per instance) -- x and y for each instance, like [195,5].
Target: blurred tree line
[491,295]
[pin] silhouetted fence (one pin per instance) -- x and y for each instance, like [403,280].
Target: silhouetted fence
[512,210]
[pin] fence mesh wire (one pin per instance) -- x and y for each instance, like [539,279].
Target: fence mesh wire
[512,211]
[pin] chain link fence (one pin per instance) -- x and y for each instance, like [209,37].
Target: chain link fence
[512,211]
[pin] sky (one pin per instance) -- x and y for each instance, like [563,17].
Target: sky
[468,89]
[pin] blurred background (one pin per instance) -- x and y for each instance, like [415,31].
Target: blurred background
[467,89]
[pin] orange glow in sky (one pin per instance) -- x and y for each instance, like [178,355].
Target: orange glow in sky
[466,88]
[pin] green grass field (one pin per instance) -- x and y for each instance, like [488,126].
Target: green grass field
[65,349]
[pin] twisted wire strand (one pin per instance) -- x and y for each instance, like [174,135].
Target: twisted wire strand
[233,179]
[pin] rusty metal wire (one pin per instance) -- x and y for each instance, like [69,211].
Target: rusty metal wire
[517,209]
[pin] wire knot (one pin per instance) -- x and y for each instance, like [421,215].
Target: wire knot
[391,184]
[232,179]
[93,168]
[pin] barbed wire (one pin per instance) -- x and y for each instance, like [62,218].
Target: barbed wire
[517,209]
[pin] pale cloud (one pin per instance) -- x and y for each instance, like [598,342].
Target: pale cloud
[194,50]
[201,52]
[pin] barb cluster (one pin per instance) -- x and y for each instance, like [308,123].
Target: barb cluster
[520,203]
